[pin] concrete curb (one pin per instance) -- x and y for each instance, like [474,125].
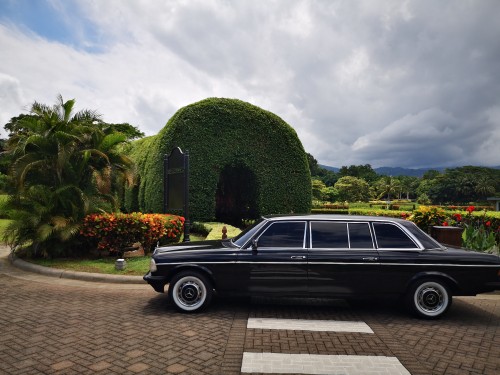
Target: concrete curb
[65,274]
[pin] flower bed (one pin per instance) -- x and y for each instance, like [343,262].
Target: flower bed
[481,229]
[116,232]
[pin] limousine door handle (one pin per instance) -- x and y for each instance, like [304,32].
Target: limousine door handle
[298,257]
[370,259]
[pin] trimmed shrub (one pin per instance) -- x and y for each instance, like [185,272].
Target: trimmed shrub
[139,152]
[328,211]
[427,216]
[225,136]
[115,232]
[375,212]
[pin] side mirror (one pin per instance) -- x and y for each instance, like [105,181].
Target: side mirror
[254,245]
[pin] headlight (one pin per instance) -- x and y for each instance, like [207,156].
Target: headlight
[152,265]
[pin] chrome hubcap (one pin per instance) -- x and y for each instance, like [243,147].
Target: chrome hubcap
[189,292]
[431,298]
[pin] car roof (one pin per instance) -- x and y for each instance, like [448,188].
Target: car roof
[331,217]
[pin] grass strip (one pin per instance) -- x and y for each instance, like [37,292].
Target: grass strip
[135,266]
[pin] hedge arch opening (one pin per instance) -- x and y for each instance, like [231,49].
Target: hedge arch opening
[228,140]
[236,195]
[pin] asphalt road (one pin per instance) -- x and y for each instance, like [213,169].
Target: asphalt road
[60,326]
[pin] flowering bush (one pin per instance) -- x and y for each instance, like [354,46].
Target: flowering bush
[481,233]
[453,220]
[427,216]
[115,232]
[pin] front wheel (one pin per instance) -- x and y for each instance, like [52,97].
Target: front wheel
[429,298]
[190,291]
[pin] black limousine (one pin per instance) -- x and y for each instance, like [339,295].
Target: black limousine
[324,256]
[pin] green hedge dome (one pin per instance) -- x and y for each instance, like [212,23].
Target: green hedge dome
[243,161]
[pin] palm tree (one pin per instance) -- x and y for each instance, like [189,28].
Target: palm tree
[64,167]
[408,185]
[387,185]
[484,187]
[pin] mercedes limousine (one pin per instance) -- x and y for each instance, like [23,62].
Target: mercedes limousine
[324,256]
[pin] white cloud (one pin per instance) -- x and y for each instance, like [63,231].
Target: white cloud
[11,96]
[398,83]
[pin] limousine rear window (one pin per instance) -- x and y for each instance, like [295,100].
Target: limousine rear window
[389,236]
[426,241]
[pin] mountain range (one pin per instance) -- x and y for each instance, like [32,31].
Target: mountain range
[398,171]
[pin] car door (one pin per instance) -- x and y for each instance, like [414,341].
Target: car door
[277,261]
[400,255]
[342,258]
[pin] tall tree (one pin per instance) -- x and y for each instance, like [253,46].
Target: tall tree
[462,185]
[329,178]
[352,189]
[388,187]
[4,166]
[64,165]
[408,185]
[365,172]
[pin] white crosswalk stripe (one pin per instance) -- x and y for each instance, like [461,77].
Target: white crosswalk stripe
[309,325]
[277,363]
[282,363]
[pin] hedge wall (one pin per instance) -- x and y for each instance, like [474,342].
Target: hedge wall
[138,151]
[221,133]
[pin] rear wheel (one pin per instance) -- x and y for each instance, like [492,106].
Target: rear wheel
[429,298]
[190,291]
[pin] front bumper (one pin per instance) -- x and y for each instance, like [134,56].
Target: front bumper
[157,282]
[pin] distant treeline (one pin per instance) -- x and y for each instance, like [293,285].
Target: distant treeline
[445,186]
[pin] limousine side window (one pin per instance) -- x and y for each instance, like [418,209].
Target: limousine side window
[284,234]
[338,235]
[329,235]
[390,236]
[360,236]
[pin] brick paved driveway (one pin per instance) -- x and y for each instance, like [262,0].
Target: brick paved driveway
[53,327]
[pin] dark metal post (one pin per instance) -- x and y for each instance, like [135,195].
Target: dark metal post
[176,186]
[187,224]
[165,186]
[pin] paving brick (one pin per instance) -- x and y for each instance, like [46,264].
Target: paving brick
[54,328]
[176,368]
[99,366]
[62,365]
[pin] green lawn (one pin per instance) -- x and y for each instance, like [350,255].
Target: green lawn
[135,266]
[216,231]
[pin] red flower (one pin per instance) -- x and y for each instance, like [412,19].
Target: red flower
[445,224]
[458,217]
[470,209]
[488,223]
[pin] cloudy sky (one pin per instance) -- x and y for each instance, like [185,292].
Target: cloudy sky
[387,82]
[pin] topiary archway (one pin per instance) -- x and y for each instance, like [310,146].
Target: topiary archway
[242,159]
